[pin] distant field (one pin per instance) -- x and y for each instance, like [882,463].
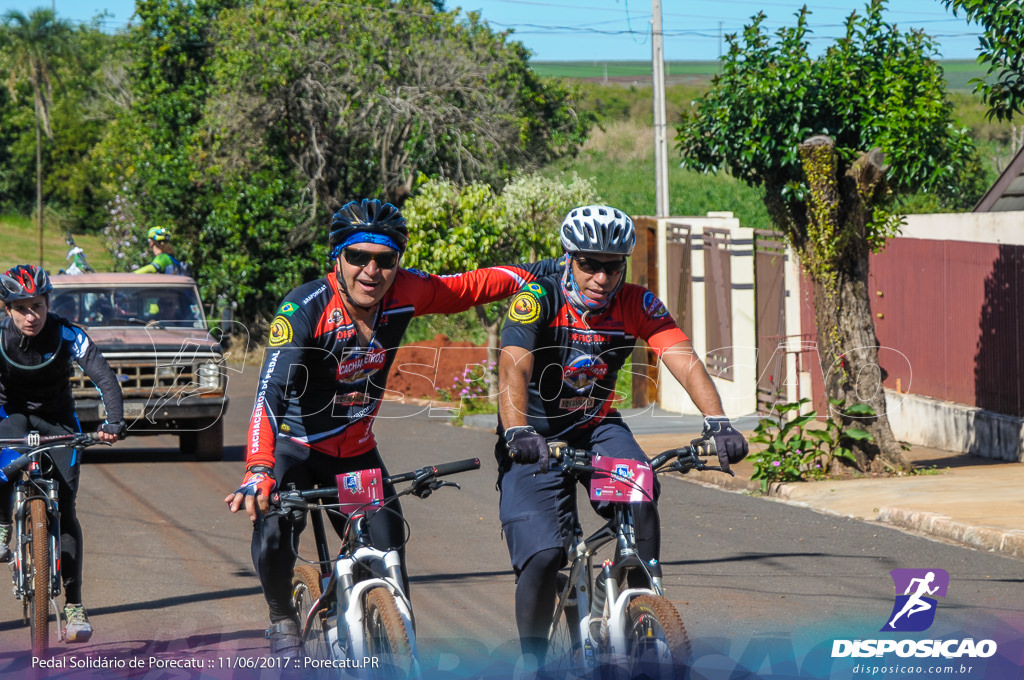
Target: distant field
[622,69]
[958,71]
[21,246]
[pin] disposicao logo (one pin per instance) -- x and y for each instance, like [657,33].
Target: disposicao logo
[914,611]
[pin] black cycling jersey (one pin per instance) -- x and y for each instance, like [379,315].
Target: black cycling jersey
[35,372]
[577,357]
[321,388]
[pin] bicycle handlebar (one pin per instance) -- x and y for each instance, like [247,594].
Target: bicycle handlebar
[41,443]
[682,459]
[419,477]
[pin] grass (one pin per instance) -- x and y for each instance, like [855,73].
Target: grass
[21,246]
[621,158]
[623,69]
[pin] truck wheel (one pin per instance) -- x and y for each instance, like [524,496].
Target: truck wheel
[210,442]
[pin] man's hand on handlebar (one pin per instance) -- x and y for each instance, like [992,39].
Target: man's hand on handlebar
[254,492]
[526,447]
[730,445]
[110,432]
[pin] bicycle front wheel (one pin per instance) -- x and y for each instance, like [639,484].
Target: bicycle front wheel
[305,593]
[387,636]
[656,642]
[565,651]
[38,600]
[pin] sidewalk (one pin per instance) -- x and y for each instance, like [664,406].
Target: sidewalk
[968,500]
[964,499]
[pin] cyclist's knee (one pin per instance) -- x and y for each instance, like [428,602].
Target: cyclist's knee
[544,564]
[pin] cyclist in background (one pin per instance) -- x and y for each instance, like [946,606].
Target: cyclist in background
[36,350]
[582,324]
[164,261]
[332,343]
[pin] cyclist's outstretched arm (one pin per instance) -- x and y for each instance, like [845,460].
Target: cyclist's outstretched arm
[682,362]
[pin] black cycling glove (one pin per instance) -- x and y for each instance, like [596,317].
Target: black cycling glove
[729,443]
[114,428]
[526,447]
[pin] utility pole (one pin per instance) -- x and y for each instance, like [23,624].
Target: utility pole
[660,126]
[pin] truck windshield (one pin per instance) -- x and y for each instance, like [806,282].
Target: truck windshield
[166,307]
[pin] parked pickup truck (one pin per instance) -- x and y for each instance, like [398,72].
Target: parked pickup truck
[152,331]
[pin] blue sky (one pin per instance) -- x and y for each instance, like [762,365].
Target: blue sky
[589,30]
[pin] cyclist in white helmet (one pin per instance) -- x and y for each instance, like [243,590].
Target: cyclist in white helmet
[564,341]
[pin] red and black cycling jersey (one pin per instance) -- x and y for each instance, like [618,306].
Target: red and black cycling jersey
[577,358]
[35,372]
[320,388]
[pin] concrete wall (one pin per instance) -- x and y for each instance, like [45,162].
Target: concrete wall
[915,419]
[739,396]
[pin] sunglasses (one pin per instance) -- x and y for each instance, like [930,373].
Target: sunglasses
[361,258]
[590,266]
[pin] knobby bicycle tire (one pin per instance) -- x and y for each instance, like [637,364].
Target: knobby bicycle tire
[387,637]
[39,599]
[656,641]
[306,591]
[565,651]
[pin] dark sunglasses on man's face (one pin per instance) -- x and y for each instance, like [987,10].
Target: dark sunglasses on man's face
[361,258]
[590,266]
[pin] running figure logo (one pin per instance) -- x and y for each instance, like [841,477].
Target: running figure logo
[913,610]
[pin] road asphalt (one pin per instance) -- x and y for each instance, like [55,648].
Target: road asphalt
[951,496]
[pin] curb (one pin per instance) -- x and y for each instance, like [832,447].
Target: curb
[1010,543]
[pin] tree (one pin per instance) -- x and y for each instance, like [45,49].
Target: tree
[455,229]
[30,45]
[1002,48]
[831,140]
[363,98]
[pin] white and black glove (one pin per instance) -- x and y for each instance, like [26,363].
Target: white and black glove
[730,445]
[526,447]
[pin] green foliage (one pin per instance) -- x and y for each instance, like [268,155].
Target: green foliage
[455,229]
[875,87]
[1002,50]
[795,451]
[363,98]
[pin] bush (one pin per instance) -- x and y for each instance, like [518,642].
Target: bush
[796,452]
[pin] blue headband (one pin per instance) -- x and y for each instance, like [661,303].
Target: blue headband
[365,237]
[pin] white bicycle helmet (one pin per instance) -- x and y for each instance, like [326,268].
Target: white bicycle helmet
[598,229]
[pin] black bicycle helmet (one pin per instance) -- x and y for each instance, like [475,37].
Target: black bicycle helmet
[23,282]
[598,229]
[368,216]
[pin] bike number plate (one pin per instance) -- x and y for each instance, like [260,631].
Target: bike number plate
[359,489]
[627,481]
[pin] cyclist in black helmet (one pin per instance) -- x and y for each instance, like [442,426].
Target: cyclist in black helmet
[563,343]
[36,351]
[312,423]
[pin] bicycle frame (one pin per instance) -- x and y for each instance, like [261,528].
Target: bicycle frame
[31,484]
[604,638]
[348,589]
[351,612]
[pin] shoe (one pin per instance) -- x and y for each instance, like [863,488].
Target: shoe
[78,629]
[284,638]
[5,537]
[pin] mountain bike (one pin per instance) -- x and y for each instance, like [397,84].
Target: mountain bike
[35,563]
[600,621]
[353,610]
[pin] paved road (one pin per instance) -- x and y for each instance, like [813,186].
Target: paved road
[168,573]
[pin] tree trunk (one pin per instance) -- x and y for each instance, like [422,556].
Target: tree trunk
[39,183]
[836,255]
[492,326]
